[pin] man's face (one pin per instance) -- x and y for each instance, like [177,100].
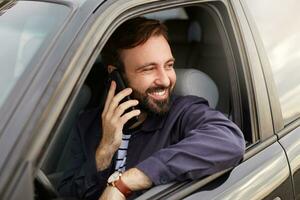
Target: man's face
[149,72]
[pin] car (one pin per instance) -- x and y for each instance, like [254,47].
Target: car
[51,71]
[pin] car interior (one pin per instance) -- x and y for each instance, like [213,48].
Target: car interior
[202,68]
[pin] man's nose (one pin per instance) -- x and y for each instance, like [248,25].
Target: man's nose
[162,78]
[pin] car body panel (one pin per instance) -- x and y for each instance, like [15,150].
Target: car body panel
[21,187]
[291,143]
[260,95]
[255,178]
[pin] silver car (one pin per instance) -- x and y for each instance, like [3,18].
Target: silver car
[51,71]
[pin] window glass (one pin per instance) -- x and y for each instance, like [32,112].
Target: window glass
[24,27]
[279,27]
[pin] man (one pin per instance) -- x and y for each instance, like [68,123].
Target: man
[175,138]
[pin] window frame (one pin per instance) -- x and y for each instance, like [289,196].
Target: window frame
[280,128]
[267,72]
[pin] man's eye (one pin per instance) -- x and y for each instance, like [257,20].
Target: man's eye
[148,68]
[170,66]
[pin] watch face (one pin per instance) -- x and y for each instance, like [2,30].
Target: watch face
[115,176]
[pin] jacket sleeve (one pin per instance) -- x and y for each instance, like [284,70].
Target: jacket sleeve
[81,179]
[211,143]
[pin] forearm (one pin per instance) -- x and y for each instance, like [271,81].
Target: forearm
[136,179]
[103,156]
[113,119]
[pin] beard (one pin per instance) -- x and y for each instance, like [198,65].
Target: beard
[150,105]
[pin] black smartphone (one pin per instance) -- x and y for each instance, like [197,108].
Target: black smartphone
[117,77]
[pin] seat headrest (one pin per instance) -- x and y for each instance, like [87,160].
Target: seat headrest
[183,31]
[197,83]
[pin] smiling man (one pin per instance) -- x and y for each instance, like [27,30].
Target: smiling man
[151,72]
[175,137]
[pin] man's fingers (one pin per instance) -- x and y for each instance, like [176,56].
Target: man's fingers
[110,95]
[129,115]
[114,103]
[118,97]
[124,106]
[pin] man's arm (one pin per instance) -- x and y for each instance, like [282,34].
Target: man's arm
[103,157]
[211,143]
[87,174]
[136,179]
[113,120]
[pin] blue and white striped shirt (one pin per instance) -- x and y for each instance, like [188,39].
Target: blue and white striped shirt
[122,154]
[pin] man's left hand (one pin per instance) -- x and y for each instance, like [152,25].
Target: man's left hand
[112,193]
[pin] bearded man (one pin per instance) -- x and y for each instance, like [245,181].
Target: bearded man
[175,138]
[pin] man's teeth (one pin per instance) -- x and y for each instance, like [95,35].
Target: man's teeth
[160,93]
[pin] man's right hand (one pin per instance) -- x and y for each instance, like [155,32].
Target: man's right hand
[113,120]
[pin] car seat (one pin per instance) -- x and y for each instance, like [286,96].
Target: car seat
[194,46]
[197,83]
[184,36]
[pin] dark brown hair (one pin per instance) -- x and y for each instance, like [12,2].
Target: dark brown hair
[130,34]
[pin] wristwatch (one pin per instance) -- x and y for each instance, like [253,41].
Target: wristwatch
[115,181]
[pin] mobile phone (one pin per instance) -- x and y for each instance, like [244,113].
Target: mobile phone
[120,85]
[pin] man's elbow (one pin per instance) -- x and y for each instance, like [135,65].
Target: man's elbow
[238,152]
[238,146]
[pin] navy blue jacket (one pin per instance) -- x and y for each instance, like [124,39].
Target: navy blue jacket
[190,142]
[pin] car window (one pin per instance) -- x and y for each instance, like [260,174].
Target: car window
[279,29]
[24,27]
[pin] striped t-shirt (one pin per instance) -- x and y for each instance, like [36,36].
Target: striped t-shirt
[122,154]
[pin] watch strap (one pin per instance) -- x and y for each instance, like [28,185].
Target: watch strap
[122,187]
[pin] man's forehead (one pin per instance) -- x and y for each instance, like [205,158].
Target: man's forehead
[156,49]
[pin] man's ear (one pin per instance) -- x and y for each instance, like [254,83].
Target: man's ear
[111,68]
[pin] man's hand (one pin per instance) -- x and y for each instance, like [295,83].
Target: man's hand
[112,193]
[113,120]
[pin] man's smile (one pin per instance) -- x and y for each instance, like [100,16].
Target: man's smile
[159,94]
